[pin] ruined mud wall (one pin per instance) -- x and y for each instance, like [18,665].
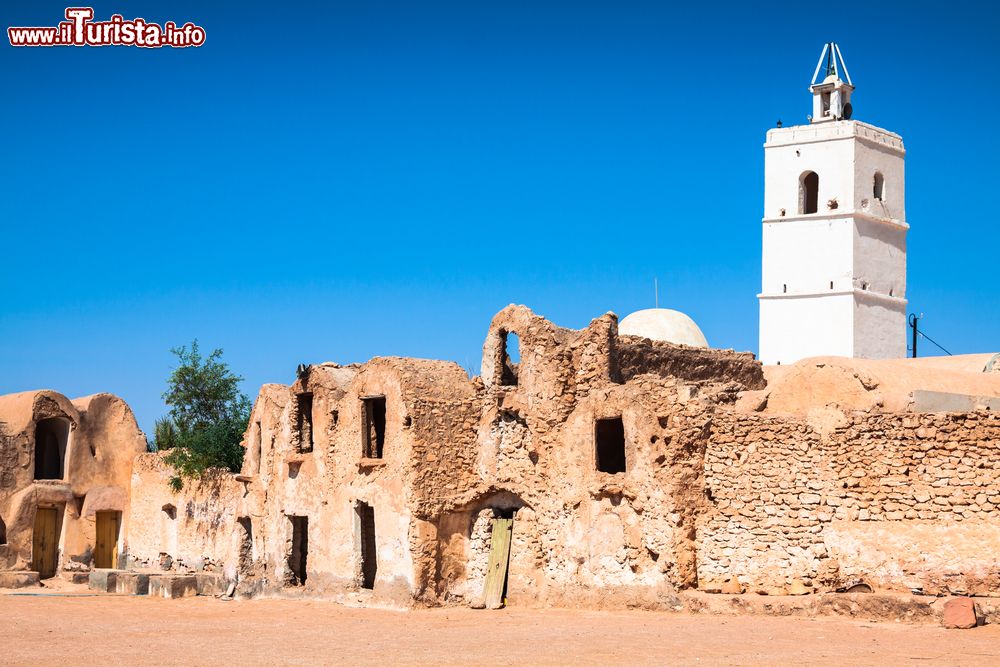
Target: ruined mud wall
[324,484]
[442,412]
[582,536]
[897,502]
[332,478]
[641,355]
[190,530]
[623,539]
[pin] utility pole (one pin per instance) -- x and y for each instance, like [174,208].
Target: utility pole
[913,325]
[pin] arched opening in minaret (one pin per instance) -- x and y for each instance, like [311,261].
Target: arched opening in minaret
[808,193]
[878,189]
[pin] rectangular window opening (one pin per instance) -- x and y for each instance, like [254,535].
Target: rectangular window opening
[609,440]
[304,421]
[367,551]
[299,552]
[373,426]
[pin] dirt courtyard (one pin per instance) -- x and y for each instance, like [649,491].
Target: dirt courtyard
[48,630]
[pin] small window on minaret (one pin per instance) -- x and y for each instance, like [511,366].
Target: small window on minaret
[808,193]
[879,187]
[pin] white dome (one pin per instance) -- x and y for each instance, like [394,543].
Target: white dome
[669,326]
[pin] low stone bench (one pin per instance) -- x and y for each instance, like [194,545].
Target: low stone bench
[132,583]
[171,586]
[104,580]
[210,584]
[18,579]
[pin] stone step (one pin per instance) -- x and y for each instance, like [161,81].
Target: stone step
[75,576]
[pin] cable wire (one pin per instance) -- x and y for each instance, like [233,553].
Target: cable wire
[935,342]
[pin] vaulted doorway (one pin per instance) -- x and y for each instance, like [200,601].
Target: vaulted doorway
[495,590]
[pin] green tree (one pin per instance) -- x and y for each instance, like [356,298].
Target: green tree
[164,434]
[208,415]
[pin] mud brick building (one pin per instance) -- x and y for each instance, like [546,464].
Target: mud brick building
[65,469]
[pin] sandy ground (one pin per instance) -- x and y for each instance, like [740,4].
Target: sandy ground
[45,630]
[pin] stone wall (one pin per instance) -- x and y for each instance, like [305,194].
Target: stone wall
[893,501]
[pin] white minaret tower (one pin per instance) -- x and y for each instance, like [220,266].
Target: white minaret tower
[834,261]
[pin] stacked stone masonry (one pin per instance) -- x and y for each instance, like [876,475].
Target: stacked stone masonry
[894,502]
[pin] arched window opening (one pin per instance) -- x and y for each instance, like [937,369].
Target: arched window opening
[808,193]
[3,532]
[51,436]
[878,190]
[510,358]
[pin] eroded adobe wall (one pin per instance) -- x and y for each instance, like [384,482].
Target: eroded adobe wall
[104,445]
[430,416]
[190,530]
[896,501]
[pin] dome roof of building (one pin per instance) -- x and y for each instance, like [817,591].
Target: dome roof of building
[663,324]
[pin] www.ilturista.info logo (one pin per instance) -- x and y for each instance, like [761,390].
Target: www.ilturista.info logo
[81,30]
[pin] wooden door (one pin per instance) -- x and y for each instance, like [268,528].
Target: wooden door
[44,542]
[106,551]
[494,593]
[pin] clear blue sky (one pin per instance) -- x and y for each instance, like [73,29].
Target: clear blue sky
[336,181]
